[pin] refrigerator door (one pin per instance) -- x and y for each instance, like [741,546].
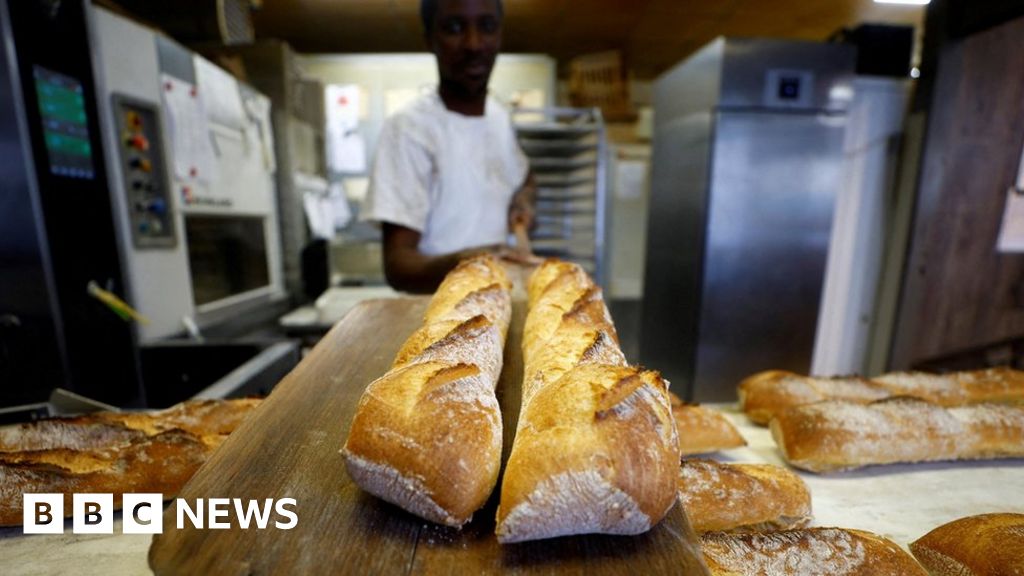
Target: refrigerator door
[675,234]
[774,178]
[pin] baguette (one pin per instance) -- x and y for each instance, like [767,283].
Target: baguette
[702,429]
[112,452]
[106,430]
[838,435]
[427,434]
[742,497]
[766,394]
[160,464]
[596,449]
[806,552]
[1002,385]
[988,544]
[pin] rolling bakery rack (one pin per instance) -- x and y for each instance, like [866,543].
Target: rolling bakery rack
[567,149]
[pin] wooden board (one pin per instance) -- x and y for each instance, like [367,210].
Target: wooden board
[289,448]
[958,292]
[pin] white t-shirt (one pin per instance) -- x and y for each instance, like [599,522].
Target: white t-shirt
[448,176]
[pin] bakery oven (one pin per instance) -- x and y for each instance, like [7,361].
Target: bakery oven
[133,168]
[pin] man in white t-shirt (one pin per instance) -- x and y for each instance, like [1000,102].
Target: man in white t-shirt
[449,179]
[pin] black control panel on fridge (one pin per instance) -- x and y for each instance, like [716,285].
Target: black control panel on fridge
[144,175]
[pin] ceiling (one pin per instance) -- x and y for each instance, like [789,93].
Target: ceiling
[652,34]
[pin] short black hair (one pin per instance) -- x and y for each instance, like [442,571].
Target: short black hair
[428,9]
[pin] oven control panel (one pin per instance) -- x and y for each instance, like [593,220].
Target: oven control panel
[144,175]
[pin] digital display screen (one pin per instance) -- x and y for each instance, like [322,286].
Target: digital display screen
[65,124]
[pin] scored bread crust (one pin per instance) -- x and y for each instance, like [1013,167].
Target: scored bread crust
[765,394]
[975,545]
[742,497]
[427,434]
[806,552]
[112,452]
[838,435]
[596,449]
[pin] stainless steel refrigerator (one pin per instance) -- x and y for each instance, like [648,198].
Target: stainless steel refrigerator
[747,161]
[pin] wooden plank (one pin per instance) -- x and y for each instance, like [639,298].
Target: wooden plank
[958,292]
[289,448]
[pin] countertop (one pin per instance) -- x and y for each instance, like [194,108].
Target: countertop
[901,502]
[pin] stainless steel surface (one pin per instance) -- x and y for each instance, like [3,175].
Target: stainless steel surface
[748,65]
[675,241]
[773,184]
[743,179]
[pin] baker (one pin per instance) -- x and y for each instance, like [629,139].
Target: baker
[449,180]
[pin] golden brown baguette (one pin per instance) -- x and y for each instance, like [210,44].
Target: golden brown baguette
[1002,385]
[742,497]
[108,452]
[768,393]
[702,429]
[838,435]
[596,449]
[159,464]
[427,434]
[105,430]
[984,545]
[806,552]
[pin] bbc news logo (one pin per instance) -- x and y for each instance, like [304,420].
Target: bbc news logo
[143,513]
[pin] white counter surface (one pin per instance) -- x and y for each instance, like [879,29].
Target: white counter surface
[900,502]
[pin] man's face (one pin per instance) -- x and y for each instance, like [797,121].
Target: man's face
[466,37]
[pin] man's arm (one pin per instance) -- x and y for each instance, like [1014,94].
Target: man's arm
[523,207]
[410,270]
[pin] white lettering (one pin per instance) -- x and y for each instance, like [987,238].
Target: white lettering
[218,508]
[144,513]
[282,511]
[184,510]
[262,515]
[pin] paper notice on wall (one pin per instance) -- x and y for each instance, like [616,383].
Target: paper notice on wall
[342,103]
[346,152]
[220,94]
[346,149]
[189,130]
[1011,232]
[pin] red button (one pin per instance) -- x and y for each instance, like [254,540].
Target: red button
[138,141]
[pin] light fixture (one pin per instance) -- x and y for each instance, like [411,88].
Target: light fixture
[906,2]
